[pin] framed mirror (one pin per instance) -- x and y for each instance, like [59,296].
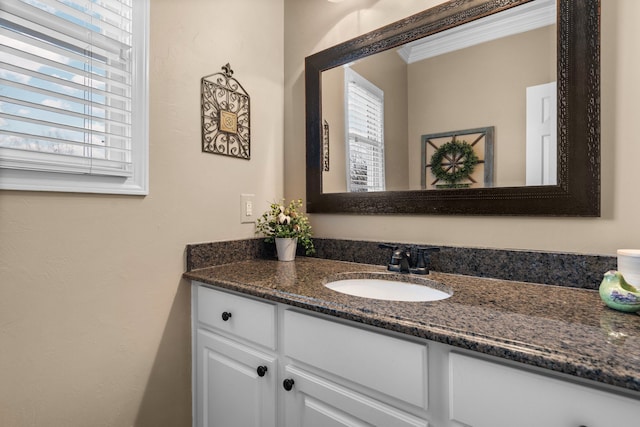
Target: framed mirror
[570,182]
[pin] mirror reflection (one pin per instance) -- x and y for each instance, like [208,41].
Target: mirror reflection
[470,107]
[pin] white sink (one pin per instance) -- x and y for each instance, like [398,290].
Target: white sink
[384,289]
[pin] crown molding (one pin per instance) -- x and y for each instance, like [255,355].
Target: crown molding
[526,17]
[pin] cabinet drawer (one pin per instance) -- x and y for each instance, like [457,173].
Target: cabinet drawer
[314,401]
[487,394]
[392,366]
[249,319]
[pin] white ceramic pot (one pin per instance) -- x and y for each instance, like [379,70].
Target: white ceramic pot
[286,248]
[629,265]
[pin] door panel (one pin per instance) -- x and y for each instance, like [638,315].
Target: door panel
[316,402]
[230,393]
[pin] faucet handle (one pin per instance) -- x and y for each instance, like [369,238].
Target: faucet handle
[425,251]
[422,262]
[399,254]
[409,258]
[387,246]
[428,249]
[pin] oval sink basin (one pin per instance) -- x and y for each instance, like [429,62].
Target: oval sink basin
[391,290]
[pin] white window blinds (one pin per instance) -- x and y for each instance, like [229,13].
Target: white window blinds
[67,86]
[365,133]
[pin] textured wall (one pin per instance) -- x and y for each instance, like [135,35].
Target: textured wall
[314,25]
[94,315]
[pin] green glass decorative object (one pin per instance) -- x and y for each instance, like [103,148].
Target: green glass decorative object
[618,294]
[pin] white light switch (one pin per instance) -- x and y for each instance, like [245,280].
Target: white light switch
[246,208]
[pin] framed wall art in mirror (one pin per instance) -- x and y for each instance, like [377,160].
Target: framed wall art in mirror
[575,71]
[458,159]
[225,115]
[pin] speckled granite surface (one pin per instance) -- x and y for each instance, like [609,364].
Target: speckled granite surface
[201,255]
[561,269]
[563,329]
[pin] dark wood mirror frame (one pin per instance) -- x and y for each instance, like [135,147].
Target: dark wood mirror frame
[578,58]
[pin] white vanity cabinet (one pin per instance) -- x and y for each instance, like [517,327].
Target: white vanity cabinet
[314,401]
[235,385]
[235,367]
[262,364]
[488,394]
[341,375]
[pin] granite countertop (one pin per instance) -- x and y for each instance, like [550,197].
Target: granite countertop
[563,329]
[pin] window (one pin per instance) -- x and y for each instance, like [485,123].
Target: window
[365,133]
[73,95]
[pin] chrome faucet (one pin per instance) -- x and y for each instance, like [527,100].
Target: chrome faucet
[409,259]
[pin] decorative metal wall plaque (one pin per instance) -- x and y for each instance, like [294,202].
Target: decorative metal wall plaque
[225,115]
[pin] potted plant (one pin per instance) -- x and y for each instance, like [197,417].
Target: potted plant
[286,226]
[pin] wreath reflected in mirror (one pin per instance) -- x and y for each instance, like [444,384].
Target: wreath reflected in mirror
[452,163]
[458,159]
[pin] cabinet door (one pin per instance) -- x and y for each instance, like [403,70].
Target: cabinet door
[229,390]
[487,394]
[316,402]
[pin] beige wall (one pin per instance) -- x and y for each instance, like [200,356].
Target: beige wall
[314,25]
[94,315]
[480,86]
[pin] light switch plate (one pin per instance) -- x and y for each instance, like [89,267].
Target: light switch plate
[247,208]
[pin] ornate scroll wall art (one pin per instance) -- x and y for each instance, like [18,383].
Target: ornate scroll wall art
[225,115]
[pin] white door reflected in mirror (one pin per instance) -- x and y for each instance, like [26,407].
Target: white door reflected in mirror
[542,141]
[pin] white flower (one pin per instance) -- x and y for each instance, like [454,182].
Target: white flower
[283,219]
